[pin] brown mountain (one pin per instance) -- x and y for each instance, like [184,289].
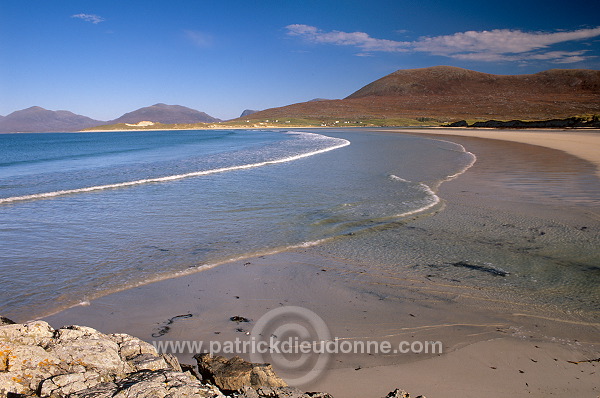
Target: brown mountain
[37,119]
[162,113]
[452,93]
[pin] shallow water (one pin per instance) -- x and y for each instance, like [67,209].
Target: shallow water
[520,228]
[86,214]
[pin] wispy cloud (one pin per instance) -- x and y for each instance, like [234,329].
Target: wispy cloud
[493,45]
[199,39]
[95,19]
[357,39]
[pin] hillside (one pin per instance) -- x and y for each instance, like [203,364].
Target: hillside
[37,119]
[247,112]
[449,93]
[40,120]
[167,114]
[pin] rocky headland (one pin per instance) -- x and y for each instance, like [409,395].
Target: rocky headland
[77,361]
[571,122]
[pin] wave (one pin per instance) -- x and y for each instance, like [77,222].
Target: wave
[339,143]
[433,199]
[89,298]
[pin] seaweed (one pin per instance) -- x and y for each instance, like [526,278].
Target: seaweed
[165,328]
[482,268]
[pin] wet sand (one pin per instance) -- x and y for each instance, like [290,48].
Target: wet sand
[584,144]
[494,343]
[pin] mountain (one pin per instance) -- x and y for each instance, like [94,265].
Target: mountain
[448,80]
[446,92]
[248,112]
[162,113]
[37,119]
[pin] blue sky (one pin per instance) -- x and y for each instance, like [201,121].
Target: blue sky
[104,58]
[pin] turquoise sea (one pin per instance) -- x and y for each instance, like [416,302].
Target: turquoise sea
[86,214]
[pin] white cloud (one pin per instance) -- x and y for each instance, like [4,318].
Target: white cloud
[356,39]
[95,19]
[499,41]
[199,39]
[493,45]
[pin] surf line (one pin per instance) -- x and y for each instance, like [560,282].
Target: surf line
[45,195]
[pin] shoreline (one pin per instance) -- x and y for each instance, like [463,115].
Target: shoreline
[584,144]
[470,321]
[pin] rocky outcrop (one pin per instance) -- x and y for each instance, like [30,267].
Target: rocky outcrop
[235,373]
[571,122]
[77,361]
[460,123]
[277,392]
[398,393]
[80,362]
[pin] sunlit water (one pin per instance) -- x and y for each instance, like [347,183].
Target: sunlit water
[86,214]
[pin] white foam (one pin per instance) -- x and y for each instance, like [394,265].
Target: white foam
[434,199]
[396,178]
[339,143]
[464,150]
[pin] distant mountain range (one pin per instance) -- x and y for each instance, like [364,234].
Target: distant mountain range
[451,93]
[443,93]
[36,119]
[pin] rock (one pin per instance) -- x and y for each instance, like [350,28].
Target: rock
[570,122]
[172,362]
[460,123]
[130,347]
[69,383]
[81,362]
[6,321]
[148,362]
[398,393]
[235,373]
[191,370]
[277,392]
[31,333]
[162,383]
[239,319]
[91,349]
[37,360]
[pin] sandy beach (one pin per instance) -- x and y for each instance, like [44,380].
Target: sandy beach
[497,341]
[584,144]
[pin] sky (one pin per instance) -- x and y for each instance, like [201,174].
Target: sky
[103,58]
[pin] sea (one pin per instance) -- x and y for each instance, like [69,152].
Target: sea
[83,215]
